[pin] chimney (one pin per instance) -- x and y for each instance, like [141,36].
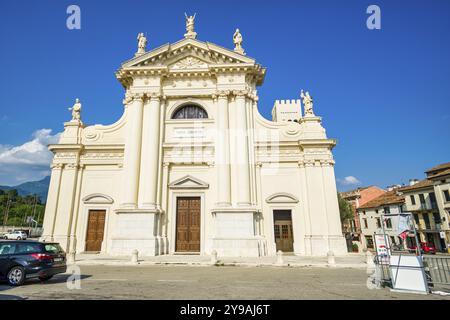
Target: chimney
[413,181]
[393,187]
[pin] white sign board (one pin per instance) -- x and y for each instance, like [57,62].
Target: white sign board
[380,242]
[407,273]
[442,234]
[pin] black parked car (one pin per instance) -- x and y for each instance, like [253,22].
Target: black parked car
[21,260]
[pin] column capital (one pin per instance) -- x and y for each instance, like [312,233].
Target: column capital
[155,96]
[309,163]
[57,166]
[240,93]
[223,94]
[72,166]
[138,96]
[327,163]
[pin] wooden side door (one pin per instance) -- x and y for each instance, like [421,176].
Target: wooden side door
[284,238]
[284,235]
[95,230]
[188,224]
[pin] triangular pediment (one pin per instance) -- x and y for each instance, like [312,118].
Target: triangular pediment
[188,54]
[188,182]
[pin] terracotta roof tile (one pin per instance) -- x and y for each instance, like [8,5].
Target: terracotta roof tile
[421,184]
[390,197]
[439,167]
[440,174]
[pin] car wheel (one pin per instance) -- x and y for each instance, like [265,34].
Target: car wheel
[16,276]
[46,278]
[19,238]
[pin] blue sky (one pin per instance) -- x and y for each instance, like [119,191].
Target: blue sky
[383,94]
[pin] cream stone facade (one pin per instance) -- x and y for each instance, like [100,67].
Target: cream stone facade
[192,166]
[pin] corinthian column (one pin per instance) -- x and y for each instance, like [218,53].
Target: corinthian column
[241,150]
[223,152]
[150,154]
[132,154]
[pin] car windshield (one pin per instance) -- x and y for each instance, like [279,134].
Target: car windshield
[7,248]
[53,248]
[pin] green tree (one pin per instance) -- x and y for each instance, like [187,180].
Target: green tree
[20,208]
[345,209]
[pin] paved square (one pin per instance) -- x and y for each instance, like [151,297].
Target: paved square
[203,282]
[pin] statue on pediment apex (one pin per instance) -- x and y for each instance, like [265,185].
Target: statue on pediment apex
[142,43]
[190,21]
[307,103]
[237,40]
[76,111]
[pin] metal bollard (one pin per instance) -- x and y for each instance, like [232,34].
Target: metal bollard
[280,261]
[134,256]
[331,259]
[214,257]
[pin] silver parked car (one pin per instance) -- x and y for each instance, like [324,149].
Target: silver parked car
[15,235]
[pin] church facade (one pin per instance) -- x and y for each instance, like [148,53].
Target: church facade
[192,167]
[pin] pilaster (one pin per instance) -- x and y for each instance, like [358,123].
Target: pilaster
[132,154]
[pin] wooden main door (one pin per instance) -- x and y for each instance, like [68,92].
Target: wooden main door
[188,224]
[95,230]
[284,236]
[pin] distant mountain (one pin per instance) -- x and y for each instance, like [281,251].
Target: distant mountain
[33,187]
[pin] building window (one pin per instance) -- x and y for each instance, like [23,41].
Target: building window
[365,223]
[393,240]
[376,211]
[190,111]
[416,219]
[422,199]
[433,200]
[437,218]
[426,218]
[388,223]
[369,242]
[353,225]
[447,196]
[413,200]
[378,223]
[387,210]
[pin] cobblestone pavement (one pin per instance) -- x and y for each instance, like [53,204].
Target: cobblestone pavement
[208,282]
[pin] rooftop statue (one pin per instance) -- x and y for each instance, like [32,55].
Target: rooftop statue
[76,111]
[237,40]
[142,43]
[190,32]
[307,103]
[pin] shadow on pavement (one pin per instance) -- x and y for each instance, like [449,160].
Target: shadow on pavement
[61,278]
[10,297]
